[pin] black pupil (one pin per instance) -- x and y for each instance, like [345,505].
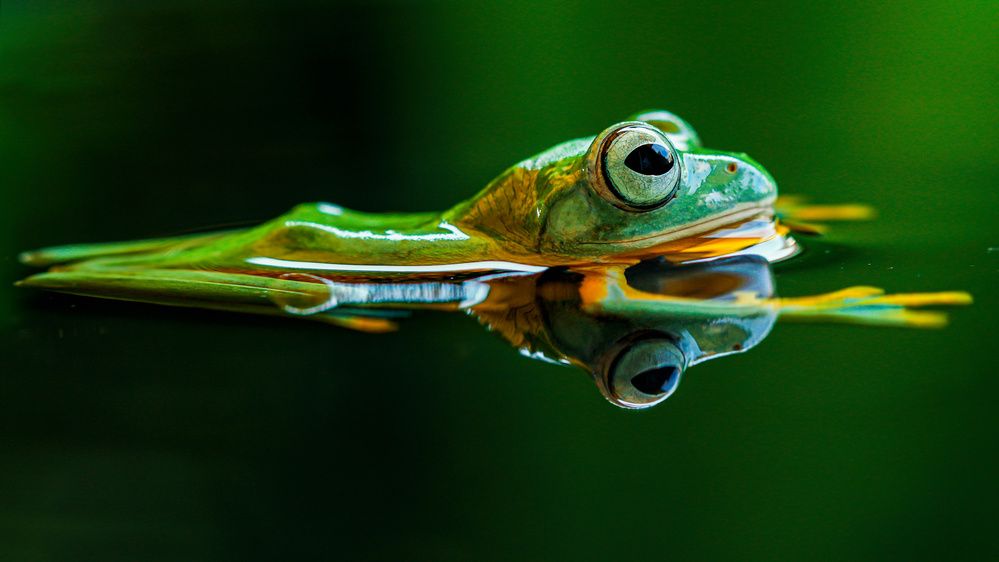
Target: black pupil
[654,381]
[650,160]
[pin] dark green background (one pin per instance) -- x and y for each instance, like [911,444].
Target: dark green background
[139,432]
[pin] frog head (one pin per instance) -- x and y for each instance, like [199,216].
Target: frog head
[638,185]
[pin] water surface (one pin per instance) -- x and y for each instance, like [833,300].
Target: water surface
[135,431]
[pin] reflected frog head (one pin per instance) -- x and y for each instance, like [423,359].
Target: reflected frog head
[637,185]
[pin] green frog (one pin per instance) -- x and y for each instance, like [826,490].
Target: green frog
[643,188]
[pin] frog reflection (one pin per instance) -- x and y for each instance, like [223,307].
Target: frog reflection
[634,329]
[636,351]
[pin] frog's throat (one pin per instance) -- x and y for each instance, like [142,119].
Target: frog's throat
[740,213]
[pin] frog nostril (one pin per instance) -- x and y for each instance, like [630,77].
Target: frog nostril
[732,167]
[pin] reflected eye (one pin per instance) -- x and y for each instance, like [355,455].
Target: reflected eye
[645,372]
[657,380]
[639,167]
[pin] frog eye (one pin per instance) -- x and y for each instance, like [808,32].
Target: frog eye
[644,373]
[639,168]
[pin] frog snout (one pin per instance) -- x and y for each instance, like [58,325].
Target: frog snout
[755,182]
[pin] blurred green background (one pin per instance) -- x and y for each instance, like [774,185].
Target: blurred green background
[130,431]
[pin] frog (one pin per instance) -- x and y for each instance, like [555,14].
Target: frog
[643,188]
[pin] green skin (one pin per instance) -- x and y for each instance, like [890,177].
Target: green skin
[550,210]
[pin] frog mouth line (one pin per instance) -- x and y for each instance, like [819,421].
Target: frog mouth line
[739,214]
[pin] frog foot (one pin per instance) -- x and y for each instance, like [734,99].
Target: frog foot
[793,213]
[871,306]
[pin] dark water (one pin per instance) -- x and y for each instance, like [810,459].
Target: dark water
[133,431]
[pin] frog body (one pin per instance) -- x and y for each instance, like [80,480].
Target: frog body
[579,202]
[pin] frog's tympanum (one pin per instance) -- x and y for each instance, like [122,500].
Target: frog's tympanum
[637,252]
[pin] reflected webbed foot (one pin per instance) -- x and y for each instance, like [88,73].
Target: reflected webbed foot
[870,305]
